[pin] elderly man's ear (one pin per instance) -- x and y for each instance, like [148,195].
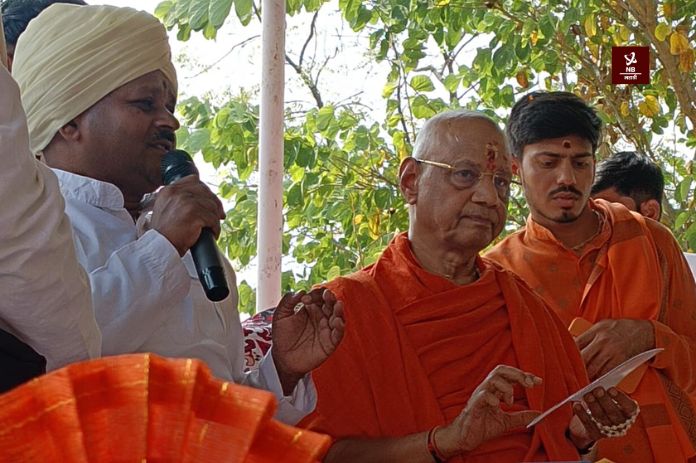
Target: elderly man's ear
[408,180]
[650,208]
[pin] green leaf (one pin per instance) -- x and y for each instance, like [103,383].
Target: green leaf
[184,33]
[198,14]
[324,117]
[388,89]
[198,139]
[243,9]
[382,198]
[690,235]
[503,57]
[218,12]
[209,31]
[333,273]
[305,157]
[422,83]
[421,108]
[681,219]
[452,82]
[163,9]
[685,188]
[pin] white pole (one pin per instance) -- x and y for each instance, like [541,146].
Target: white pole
[270,220]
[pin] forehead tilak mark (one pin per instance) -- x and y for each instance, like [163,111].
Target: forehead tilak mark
[492,152]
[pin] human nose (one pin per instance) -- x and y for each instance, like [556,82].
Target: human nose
[566,174]
[484,191]
[166,119]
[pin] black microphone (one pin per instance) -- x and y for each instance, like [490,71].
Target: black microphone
[175,165]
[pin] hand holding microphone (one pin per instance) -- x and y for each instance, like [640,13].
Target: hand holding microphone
[188,214]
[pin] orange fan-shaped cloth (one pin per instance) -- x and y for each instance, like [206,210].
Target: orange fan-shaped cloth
[144,408]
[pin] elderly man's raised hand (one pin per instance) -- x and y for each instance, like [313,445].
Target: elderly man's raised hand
[183,209]
[483,419]
[305,335]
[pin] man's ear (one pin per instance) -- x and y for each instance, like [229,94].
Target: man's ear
[650,208]
[70,131]
[408,180]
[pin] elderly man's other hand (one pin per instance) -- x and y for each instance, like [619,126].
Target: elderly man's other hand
[610,412]
[611,342]
[183,209]
[305,335]
[482,419]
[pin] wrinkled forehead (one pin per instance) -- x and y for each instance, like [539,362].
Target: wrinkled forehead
[473,140]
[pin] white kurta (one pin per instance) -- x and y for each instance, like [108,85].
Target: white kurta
[148,299]
[44,293]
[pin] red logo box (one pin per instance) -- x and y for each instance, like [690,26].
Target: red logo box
[630,65]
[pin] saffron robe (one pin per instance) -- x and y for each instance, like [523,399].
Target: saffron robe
[417,345]
[632,269]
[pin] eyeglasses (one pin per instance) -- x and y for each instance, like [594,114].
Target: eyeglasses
[464,177]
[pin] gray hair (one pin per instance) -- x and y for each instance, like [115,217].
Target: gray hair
[428,134]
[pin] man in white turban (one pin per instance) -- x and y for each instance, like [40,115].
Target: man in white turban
[99,90]
[45,299]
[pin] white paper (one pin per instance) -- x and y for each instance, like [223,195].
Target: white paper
[608,380]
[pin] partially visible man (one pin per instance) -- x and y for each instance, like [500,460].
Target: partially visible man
[100,89]
[16,15]
[633,180]
[636,182]
[598,261]
[45,303]
[445,353]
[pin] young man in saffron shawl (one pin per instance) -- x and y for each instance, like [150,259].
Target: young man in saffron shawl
[445,355]
[615,269]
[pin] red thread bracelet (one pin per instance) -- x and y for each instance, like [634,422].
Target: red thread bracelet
[432,447]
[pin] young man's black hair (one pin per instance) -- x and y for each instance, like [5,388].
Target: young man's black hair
[543,115]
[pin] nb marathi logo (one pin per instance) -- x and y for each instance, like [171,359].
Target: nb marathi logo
[630,65]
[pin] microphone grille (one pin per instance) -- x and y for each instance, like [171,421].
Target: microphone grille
[175,165]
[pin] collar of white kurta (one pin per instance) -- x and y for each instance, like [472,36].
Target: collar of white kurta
[95,192]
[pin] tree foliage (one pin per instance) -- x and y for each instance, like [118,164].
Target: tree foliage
[341,198]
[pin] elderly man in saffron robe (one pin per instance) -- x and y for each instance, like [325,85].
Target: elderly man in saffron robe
[446,355]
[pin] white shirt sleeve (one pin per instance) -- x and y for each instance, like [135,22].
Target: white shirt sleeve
[134,289]
[291,409]
[44,292]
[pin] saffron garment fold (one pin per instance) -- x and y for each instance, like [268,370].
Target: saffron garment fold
[417,345]
[633,269]
[141,407]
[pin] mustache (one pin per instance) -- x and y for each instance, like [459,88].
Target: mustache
[566,189]
[165,135]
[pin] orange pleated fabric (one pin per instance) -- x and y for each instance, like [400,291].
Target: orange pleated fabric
[632,269]
[137,408]
[417,345]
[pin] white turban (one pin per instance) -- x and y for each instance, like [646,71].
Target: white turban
[72,56]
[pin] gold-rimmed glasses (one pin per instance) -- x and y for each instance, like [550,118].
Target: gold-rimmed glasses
[467,176]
